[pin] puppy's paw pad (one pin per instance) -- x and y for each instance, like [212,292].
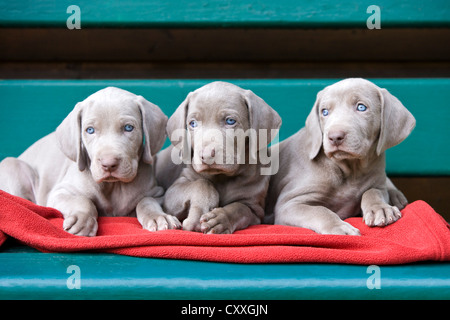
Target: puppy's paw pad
[83,225]
[160,222]
[191,224]
[381,215]
[207,217]
[216,221]
[173,222]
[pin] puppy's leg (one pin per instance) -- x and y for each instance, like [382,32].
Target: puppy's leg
[317,218]
[151,216]
[18,178]
[189,200]
[80,213]
[396,197]
[203,198]
[234,216]
[376,210]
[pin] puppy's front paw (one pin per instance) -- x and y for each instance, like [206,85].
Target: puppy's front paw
[380,215]
[216,221]
[341,228]
[397,198]
[81,224]
[155,222]
[192,223]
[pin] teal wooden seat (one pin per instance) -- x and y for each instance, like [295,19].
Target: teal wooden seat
[28,274]
[34,42]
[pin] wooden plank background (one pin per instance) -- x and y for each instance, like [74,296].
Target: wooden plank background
[59,53]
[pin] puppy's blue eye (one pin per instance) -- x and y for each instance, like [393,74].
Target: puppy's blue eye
[325,112]
[361,107]
[230,121]
[90,130]
[193,123]
[128,128]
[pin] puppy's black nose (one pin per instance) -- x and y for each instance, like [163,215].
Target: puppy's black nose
[336,137]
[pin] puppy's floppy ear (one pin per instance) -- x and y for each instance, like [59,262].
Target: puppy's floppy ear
[314,130]
[154,123]
[261,115]
[68,135]
[396,122]
[176,126]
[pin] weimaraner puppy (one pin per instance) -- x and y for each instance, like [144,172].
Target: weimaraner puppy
[334,168]
[221,186]
[97,162]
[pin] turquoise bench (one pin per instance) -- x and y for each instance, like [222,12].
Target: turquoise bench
[28,274]
[218,13]
[34,108]
[31,107]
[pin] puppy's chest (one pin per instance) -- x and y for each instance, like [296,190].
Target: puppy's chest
[238,190]
[345,199]
[228,192]
[114,203]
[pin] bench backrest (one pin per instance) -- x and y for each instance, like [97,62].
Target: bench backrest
[219,13]
[30,109]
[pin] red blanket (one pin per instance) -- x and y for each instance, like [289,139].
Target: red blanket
[420,235]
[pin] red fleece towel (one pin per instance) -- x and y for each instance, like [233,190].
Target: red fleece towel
[420,235]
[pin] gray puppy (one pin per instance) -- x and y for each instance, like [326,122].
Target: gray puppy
[219,188]
[99,161]
[334,168]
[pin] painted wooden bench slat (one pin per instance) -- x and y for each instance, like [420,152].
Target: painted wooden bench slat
[219,13]
[30,109]
[28,274]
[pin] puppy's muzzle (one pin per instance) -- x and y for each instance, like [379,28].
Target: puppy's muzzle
[337,137]
[109,163]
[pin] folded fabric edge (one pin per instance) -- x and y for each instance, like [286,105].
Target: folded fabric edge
[3,238]
[437,226]
[259,255]
[185,251]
